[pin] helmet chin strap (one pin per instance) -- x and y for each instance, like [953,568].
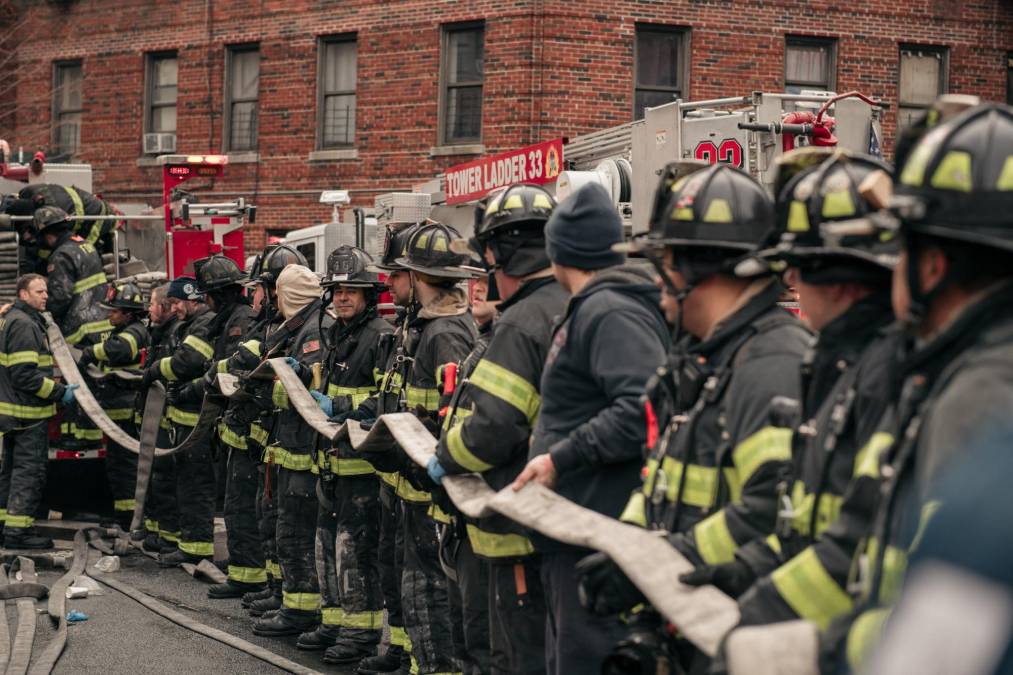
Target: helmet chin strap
[680,294]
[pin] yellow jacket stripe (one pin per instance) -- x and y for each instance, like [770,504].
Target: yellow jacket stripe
[809,589]
[20,358]
[714,540]
[202,347]
[82,285]
[90,328]
[165,367]
[460,452]
[507,386]
[46,388]
[493,545]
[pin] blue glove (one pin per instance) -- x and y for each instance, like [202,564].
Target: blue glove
[325,402]
[292,363]
[436,470]
[68,394]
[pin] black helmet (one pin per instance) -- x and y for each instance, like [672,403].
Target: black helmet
[348,266]
[957,180]
[823,221]
[126,296]
[715,207]
[395,245]
[513,207]
[46,217]
[429,253]
[217,272]
[272,261]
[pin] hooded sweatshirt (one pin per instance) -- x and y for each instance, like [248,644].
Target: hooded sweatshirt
[610,341]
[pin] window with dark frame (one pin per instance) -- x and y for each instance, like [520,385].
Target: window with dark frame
[660,69]
[67,107]
[336,92]
[809,63]
[462,77]
[162,81]
[922,78]
[241,98]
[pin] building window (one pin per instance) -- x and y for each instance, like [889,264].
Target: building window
[462,75]
[922,79]
[336,93]
[67,108]
[162,78]
[659,55]
[241,90]
[809,64]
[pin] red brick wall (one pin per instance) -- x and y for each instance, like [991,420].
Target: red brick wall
[552,68]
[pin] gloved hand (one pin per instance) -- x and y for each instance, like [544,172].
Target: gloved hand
[87,356]
[366,425]
[68,394]
[732,578]
[324,402]
[150,375]
[435,470]
[603,588]
[347,415]
[431,425]
[292,363]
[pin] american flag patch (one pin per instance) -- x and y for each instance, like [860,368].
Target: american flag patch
[311,346]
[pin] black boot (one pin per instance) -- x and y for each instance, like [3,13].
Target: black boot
[24,538]
[388,662]
[250,598]
[286,623]
[273,602]
[177,558]
[151,543]
[233,589]
[348,652]
[322,637]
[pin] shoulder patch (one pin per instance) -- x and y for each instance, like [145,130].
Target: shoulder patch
[235,331]
[311,346]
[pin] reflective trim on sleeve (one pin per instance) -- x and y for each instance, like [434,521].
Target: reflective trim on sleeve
[493,545]
[165,367]
[91,328]
[864,634]
[769,444]
[222,366]
[713,539]
[701,485]
[279,397]
[507,386]
[460,452]
[867,459]
[438,514]
[636,510]
[88,283]
[46,388]
[247,575]
[132,341]
[76,199]
[252,346]
[99,351]
[199,345]
[774,542]
[809,589]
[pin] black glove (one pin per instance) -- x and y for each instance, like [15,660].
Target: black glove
[150,375]
[431,425]
[347,415]
[388,461]
[603,588]
[367,424]
[87,356]
[732,578]
[418,477]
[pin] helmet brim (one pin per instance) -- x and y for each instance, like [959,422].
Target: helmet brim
[455,272]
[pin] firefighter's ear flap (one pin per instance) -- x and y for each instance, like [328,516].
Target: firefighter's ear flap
[794,162]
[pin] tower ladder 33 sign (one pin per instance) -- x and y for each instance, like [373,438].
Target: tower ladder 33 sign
[728,151]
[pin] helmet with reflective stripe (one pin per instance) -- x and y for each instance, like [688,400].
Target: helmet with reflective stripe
[272,261]
[822,219]
[957,180]
[512,226]
[429,253]
[348,266]
[395,245]
[125,296]
[217,272]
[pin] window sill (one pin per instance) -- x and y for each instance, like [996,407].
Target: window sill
[243,157]
[333,154]
[148,160]
[451,150]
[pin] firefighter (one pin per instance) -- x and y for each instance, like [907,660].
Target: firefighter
[122,350]
[390,555]
[256,420]
[711,479]
[498,405]
[953,289]
[28,397]
[293,449]
[352,614]
[161,513]
[77,284]
[195,481]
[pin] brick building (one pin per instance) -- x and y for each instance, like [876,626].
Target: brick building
[378,95]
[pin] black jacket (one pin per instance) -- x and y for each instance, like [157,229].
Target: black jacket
[123,349]
[498,405]
[77,284]
[27,390]
[736,457]
[609,343]
[186,364]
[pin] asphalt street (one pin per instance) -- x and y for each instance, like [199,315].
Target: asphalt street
[122,636]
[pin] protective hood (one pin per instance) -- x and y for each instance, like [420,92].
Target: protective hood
[297,287]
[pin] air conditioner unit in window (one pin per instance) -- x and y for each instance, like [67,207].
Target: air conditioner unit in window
[157,144]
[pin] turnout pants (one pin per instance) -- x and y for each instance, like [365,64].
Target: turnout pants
[246,557]
[267,518]
[347,536]
[195,494]
[390,563]
[516,604]
[469,600]
[23,475]
[296,535]
[424,598]
[161,515]
[121,472]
